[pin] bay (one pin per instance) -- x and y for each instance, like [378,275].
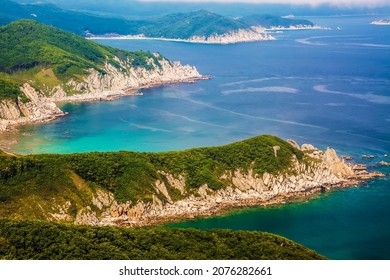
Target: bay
[324,87]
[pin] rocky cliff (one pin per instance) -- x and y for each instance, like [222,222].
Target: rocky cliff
[116,82]
[319,171]
[37,109]
[242,35]
[95,86]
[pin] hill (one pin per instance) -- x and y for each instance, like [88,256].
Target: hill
[47,241]
[199,26]
[187,25]
[28,45]
[147,188]
[40,64]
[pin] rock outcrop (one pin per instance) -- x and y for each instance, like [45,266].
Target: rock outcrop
[115,82]
[37,109]
[318,171]
[242,35]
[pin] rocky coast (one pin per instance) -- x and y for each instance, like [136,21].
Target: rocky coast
[96,86]
[253,34]
[320,171]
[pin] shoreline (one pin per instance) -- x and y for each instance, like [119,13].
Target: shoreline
[200,40]
[109,95]
[205,42]
[224,207]
[297,28]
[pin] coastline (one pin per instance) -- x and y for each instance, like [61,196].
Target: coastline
[246,189]
[254,34]
[43,109]
[297,28]
[223,207]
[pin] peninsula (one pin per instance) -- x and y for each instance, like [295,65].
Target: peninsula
[41,65]
[140,189]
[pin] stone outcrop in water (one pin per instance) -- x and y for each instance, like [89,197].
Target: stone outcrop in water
[319,172]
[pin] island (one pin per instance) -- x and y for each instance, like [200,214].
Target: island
[41,65]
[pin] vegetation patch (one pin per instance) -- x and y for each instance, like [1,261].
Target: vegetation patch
[45,181]
[26,240]
[46,56]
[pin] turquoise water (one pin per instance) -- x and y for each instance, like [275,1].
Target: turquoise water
[325,87]
[348,224]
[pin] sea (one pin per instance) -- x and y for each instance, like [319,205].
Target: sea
[328,87]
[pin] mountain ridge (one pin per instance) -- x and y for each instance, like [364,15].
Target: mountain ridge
[202,25]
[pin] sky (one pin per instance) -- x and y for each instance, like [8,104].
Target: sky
[338,3]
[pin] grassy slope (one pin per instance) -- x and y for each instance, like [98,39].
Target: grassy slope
[30,186]
[46,56]
[43,240]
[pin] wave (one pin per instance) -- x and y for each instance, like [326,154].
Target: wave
[154,129]
[335,104]
[262,89]
[205,104]
[370,45]
[259,80]
[191,120]
[309,40]
[369,97]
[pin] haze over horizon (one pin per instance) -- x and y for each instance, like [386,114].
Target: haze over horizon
[337,3]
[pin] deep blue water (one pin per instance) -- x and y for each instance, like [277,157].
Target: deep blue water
[325,87]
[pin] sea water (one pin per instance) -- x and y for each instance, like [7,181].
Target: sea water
[325,87]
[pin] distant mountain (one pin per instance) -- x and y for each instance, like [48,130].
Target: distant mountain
[76,22]
[268,21]
[186,25]
[197,24]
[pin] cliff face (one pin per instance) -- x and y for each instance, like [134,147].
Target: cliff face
[242,35]
[95,86]
[320,170]
[116,82]
[39,108]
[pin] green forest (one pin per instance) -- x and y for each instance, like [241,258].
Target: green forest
[37,240]
[31,185]
[46,57]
